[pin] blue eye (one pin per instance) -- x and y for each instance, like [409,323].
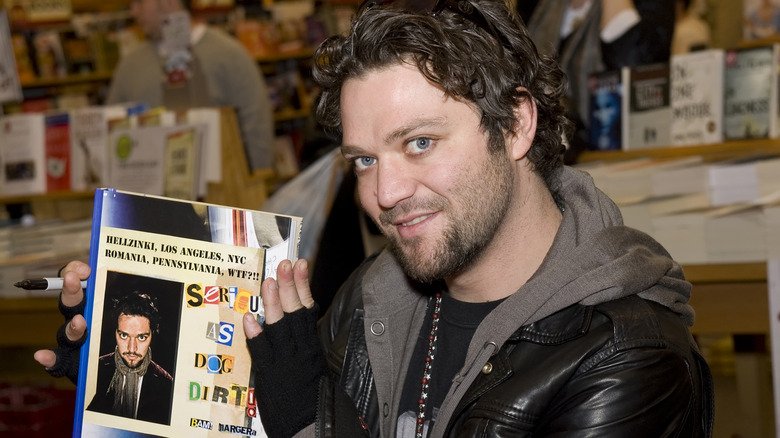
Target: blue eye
[364,162]
[420,144]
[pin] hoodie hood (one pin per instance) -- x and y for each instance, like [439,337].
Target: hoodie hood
[593,259]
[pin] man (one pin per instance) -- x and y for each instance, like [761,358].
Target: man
[130,384]
[218,72]
[512,301]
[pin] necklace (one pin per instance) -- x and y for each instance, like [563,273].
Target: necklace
[428,364]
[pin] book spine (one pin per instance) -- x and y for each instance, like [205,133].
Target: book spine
[94,248]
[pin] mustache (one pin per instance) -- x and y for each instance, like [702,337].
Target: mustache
[390,216]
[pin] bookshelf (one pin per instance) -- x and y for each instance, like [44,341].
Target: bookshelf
[710,152]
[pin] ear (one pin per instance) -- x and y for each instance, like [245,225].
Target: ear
[525,128]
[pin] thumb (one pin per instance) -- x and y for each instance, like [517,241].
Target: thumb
[251,326]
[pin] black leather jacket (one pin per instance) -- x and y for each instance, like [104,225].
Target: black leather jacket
[628,367]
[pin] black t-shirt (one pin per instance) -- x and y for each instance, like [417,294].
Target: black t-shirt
[458,321]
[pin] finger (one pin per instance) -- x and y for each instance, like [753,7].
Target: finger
[47,358]
[251,326]
[271,304]
[301,277]
[76,328]
[72,274]
[288,292]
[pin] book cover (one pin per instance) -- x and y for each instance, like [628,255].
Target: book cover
[608,109]
[697,97]
[57,151]
[761,20]
[140,160]
[170,283]
[89,145]
[21,154]
[649,109]
[750,92]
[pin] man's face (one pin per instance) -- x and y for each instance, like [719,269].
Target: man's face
[133,336]
[148,15]
[424,172]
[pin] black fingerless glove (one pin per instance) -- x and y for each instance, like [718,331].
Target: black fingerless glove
[68,351]
[289,363]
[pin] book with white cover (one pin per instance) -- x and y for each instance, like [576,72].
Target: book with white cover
[89,145]
[697,97]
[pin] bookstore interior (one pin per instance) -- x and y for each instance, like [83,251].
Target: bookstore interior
[689,149]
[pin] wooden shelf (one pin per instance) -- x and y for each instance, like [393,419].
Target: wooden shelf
[51,196]
[711,152]
[68,80]
[726,273]
[306,52]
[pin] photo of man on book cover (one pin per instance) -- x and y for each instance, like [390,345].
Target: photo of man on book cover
[140,316]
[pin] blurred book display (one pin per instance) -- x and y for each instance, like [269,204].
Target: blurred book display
[151,151]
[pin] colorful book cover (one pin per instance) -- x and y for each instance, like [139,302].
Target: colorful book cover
[697,97]
[750,96]
[649,110]
[57,152]
[170,283]
[607,91]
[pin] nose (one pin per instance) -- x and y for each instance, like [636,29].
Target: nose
[394,184]
[132,344]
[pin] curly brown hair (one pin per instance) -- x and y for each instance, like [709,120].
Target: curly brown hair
[466,61]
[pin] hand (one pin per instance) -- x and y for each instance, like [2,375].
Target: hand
[290,292]
[285,352]
[64,360]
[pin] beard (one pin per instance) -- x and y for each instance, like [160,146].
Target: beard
[479,204]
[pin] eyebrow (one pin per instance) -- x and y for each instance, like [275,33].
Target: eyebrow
[401,132]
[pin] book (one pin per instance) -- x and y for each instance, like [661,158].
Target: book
[89,145]
[761,20]
[649,109]
[57,151]
[158,160]
[10,87]
[192,270]
[608,109]
[35,152]
[750,92]
[697,97]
